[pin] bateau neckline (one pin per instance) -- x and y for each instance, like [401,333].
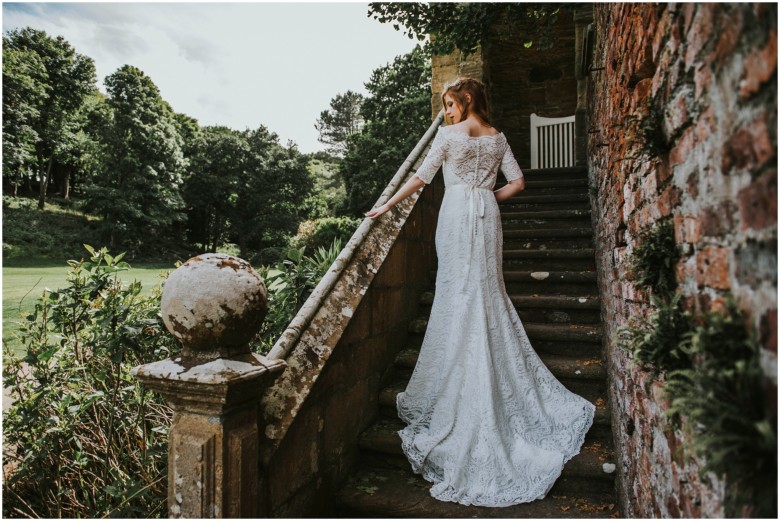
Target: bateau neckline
[472,137]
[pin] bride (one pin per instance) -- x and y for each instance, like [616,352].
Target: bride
[487,422]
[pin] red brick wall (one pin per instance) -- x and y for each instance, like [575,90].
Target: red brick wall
[709,71]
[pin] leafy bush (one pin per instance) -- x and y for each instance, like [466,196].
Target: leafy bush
[726,401]
[82,437]
[289,284]
[320,233]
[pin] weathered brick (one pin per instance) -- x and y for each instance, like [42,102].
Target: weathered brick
[718,219]
[669,199]
[759,67]
[730,30]
[758,202]
[683,147]
[750,147]
[686,229]
[712,266]
[768,330]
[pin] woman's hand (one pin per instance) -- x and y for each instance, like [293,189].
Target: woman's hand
[376,212]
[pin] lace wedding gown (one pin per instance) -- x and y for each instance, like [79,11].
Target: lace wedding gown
[488,423]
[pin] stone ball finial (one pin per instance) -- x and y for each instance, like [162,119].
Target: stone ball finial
[214,304]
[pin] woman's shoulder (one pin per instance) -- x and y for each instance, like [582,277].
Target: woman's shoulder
[464,130]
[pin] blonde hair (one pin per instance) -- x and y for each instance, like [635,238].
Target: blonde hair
[478,105]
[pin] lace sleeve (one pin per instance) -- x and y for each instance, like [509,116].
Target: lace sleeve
[434,159]
[509,166]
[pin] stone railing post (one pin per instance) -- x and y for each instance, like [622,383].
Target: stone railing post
[214,304]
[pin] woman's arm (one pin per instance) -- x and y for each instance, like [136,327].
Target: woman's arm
[510,189]
[412,185]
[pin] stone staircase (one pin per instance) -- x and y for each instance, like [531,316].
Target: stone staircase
[549,271]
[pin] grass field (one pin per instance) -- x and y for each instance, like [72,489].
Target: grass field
[24,281]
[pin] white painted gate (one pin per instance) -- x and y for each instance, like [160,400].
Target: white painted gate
[552,142]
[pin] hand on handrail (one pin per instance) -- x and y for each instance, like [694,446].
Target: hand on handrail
[376,212]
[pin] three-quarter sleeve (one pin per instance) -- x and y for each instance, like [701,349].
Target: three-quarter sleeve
[509,166]
[434,159]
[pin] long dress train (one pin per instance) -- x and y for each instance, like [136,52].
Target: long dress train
[488,423]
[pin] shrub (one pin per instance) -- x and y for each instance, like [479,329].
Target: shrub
[82,437]
[289,284]
[320,233]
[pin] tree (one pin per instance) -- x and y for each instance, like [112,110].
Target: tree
[138,193]
[465,25]
[69,77]
[23,94]
[342,121]
[397,113]
[217,171]
[271,199]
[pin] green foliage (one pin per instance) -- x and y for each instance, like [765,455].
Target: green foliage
[82,437]
[289,284]
[50,98]
[465,25]
[651,129]
[339,123]
[23,94]
[653,261]
[725,399]
[58,232]
[397,113]
[656,343]
[137,193]
[270,202]
[314,234]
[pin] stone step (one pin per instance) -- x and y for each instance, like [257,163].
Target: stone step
[594,391]
[530,216]
[539,183]
[382,436]
[546,207]
[559,233]
[560,366]
[549,259]
[547,281]
[547,243]
[557,332]
[558,309]
[583,253]
[582,309]
[526,197]
[390,492]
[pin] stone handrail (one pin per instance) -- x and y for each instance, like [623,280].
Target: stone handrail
[292,334]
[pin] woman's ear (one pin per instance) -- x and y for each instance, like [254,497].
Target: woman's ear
[468,98]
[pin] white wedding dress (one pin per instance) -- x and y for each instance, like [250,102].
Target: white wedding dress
[488,423]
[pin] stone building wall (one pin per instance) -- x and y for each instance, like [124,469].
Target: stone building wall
[448,68]
[522,81]
[708,72]
[320,450]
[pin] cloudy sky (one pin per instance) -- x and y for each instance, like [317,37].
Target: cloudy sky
[236,64]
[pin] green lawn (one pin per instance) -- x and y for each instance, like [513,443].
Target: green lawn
[24,281]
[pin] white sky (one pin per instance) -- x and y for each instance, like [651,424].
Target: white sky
[236,64]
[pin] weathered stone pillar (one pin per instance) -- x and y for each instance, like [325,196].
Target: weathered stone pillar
[214,304]
[583,16]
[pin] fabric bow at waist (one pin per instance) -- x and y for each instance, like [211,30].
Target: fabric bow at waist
[476,203]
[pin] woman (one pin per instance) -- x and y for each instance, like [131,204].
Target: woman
[488,423]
